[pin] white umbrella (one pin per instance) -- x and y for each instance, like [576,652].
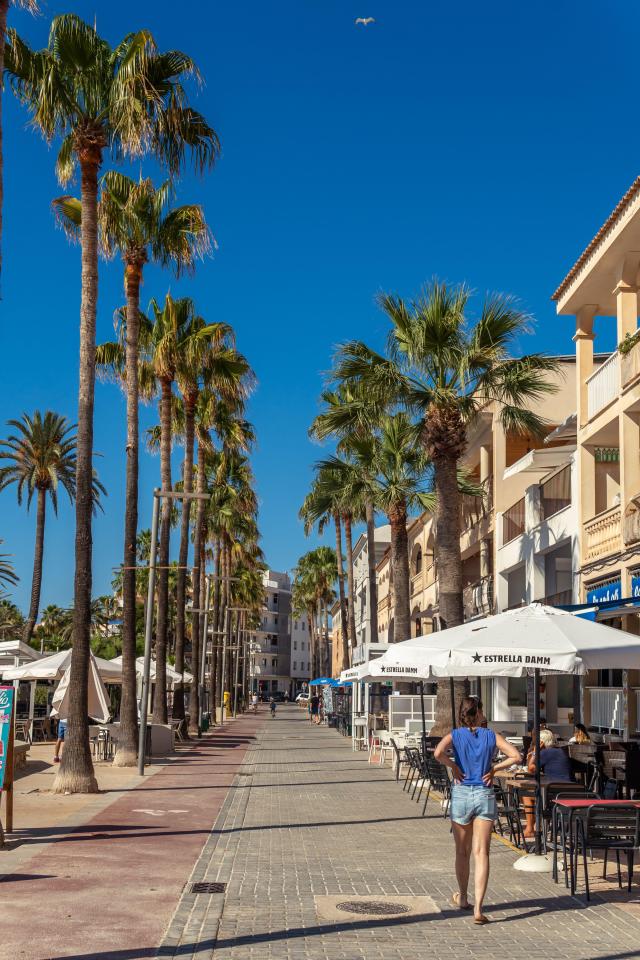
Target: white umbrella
[171,673]
[53,668]
[98,701]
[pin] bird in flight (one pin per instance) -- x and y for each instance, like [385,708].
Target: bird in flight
[365,21]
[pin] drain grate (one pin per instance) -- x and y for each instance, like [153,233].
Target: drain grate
[208,887]
[376,908]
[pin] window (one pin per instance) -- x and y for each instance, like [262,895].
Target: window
[274,663]
[302,645]
[565,692]
[295,664]
[517,695]
[264,661]
[275,619]
[275,599]
[295,644]
[302,626]
[295,624]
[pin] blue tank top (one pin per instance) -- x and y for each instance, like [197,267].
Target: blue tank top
[474,750]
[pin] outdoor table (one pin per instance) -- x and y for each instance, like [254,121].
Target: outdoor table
[574,805]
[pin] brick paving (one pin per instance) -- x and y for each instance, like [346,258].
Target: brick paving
[307,819]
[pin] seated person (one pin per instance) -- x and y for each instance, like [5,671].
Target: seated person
[580,734]
[555,764]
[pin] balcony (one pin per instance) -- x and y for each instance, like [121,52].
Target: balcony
[513,522]
[602,534]
[603,386]
[562,599]
[477,598]
[555,493]
[606,707]
[629,363]
[416,583]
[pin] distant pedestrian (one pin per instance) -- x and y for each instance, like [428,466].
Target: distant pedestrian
[315,708]
[473,801]
[254,702]
[272,707]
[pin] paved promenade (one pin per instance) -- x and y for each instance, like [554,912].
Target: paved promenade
[308,825]
[103,883]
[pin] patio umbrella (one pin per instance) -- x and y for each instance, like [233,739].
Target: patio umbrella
[54,667]
[324,682]
[98,700]
[172,674]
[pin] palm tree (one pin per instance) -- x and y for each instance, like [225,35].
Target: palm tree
[322,504]
[389,469]
[347,415]
[42,455]
[137,222]
[129,100]
[447,370]
[11,620]
[177,342]
[32,6]
[8,575]
[313,593]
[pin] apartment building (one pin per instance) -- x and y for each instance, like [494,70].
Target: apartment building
[300,655]
[270,646]
[600,294]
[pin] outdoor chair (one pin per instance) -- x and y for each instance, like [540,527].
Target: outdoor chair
[437,777]
[374,744]
[386,751]
[399,757]
[607,828]
[413,761]
[509,816]
[558,818]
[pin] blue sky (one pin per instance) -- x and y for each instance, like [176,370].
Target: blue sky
[484,143]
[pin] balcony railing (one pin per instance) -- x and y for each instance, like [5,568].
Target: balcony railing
[563,598]
[602,534]
[475,509]
[603,385]
[477,598]
[513,521]
[606,707]
[555,493]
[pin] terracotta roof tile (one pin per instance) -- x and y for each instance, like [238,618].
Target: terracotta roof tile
[621,207]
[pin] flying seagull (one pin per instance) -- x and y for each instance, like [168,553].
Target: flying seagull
[365,21]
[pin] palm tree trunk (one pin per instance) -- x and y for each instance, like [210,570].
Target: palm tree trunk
[187,480]
[4,8]
[76,768]
[373,582]
[400,572]
[344,637]
[197,652]
[351,600]
[37,567]
[127,745]
[160,698]
[447,536]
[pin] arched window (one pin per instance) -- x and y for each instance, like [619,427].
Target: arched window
[417,560]
[418,627]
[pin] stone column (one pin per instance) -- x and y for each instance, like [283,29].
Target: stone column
[583,340]
[626,308]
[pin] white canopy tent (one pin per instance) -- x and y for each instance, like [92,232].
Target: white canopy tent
[54,667]
[172,674]
[98,700]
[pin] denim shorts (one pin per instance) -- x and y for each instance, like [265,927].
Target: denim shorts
[467,803]
[62,729]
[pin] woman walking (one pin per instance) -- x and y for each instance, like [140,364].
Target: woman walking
[473,802]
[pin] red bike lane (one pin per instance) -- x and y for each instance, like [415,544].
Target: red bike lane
[106,890]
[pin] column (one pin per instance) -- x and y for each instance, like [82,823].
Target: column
[583,340]
[626,308]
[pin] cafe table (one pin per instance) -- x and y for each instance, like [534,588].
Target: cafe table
[571,807]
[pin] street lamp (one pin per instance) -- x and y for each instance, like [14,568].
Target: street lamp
[148,627]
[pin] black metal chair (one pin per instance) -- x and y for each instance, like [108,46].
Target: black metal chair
[559,818]
[607,827]
[413,763]
[437,778]
[509,815]
[400,754]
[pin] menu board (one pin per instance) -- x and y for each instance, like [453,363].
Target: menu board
[6,710]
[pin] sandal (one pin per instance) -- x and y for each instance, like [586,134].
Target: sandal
[481,920]
[455,900]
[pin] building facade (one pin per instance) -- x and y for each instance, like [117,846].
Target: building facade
[270,662]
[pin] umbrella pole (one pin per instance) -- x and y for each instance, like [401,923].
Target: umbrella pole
[424,722]
[452,688]
[536,734]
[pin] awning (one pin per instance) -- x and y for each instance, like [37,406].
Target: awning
[605,610]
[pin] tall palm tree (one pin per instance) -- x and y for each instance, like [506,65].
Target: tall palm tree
[130,100]
[313,593]
[390,469]
[32,6]
[447,369]
[324,503]
[136,221]
[178,340]
[348,414]
[42,457]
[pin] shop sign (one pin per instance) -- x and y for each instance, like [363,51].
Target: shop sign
[6,710]
[605,593]
[635,585]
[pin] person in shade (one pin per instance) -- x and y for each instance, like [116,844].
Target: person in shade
[554,764]
[473,801]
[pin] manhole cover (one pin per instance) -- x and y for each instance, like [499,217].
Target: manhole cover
[376,908]
[208,887]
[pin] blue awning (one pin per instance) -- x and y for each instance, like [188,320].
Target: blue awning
[606,610]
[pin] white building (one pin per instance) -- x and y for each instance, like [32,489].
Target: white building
[270,645]
[362,604]
[300,654]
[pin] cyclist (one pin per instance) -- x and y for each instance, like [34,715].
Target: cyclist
[272,707]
